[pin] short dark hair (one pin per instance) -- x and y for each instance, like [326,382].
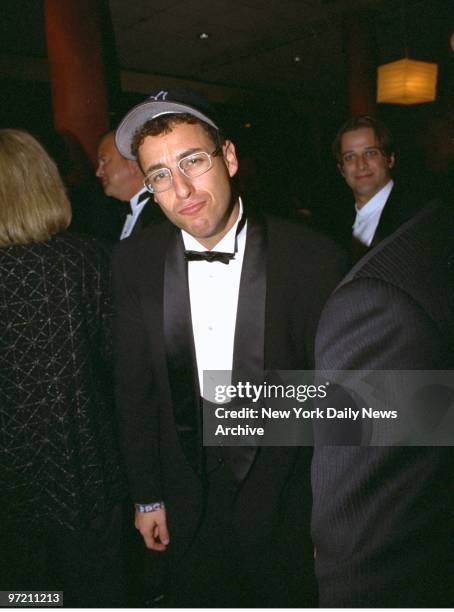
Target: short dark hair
[164,124]
[382,134]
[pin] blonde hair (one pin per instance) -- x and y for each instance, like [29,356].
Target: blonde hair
[33,201]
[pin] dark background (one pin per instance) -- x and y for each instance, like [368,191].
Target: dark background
[283,114]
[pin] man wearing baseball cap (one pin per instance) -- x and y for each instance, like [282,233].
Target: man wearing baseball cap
[214,289]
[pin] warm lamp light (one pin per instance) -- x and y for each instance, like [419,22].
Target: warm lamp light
[407,82]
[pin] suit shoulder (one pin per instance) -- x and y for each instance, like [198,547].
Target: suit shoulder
[307,262]
[312,252]
[298,235]
[369,323]
[420,252]
[151,239]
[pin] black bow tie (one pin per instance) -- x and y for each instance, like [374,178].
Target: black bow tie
[209,256]
[217,255]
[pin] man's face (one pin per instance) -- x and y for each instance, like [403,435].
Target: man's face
[202,206]
[364,166]
[121,178]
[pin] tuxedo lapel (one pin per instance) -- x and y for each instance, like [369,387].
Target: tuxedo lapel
[140,224]
[150,213]
[389,219]
[400,206]
[249,343]
[137,226]
[248,354]
[180,352]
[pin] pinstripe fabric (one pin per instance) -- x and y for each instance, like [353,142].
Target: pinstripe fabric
[383,518]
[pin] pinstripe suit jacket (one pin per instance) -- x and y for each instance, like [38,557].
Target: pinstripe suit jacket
[383,517]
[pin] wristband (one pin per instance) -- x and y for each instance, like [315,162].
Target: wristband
[149,507]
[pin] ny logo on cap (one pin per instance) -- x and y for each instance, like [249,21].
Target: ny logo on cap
[162,95]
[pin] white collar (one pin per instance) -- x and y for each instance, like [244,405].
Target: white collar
[377,202]
[134,201]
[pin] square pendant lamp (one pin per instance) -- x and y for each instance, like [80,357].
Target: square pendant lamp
[407,81]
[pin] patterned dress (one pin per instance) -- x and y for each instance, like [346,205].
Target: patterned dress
[58,450]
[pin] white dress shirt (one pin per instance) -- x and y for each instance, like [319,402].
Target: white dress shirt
[368,216]
[213,293]
[136,208]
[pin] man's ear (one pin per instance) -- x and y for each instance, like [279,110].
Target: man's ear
[230,158]
[341,169]
[135,167]
[391,160]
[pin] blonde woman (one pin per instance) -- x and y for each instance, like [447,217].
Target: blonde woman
[60,479]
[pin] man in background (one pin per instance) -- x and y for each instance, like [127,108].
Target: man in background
[365,155]
[383,516]
[123,179]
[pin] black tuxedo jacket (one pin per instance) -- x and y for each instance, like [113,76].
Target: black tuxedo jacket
[150,214]
[288,273]
[383,517]
[400,206]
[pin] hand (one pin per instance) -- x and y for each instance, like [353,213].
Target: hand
[153,529]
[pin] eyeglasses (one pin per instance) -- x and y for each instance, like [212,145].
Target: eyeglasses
[191,166]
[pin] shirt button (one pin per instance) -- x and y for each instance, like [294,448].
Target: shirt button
[210,327]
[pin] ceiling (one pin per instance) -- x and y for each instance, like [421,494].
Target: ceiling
[245,64]
[274,45]
[292,47]
[256,50]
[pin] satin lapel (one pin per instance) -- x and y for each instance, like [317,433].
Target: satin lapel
[388,218]
[249,344]
[181,353]
[138,225]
